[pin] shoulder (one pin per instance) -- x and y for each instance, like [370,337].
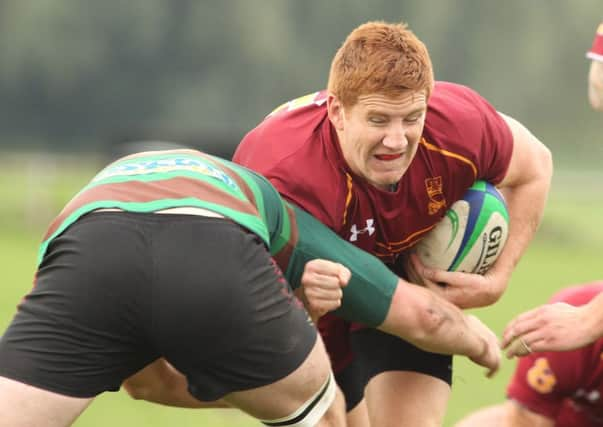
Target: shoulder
[286,130]
[596,49]
[579,294]
[463,126]
[288,140]
[458,109]
[541,382]
[294,148]
[549,377]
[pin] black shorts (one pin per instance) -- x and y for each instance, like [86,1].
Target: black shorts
[376,352]
[352,380]
[118,290]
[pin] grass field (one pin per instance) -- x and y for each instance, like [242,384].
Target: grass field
[566,251]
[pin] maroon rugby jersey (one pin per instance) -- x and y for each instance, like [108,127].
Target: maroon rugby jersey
[564,386]
[296,148]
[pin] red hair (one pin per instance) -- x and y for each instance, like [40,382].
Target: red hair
[380,57]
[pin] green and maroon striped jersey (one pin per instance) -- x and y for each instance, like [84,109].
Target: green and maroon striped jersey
[159,180]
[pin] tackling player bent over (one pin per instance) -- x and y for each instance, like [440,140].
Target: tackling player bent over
[143,263]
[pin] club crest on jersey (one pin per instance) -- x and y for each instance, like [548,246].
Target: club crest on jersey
[370,229]
[437,201]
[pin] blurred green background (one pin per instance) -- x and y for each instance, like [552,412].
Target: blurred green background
[80,78]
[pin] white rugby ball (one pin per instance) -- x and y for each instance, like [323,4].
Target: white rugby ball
[471,235]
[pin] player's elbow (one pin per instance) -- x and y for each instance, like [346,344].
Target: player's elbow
[491,296]
[431,319]
[414,315]
[544,158]
[427,321]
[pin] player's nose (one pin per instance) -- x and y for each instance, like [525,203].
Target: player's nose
[395,138]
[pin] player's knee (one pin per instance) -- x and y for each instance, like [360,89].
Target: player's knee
[317,365]
[336,414]
[324,409]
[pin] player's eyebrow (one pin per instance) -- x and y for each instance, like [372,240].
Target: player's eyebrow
[418,110]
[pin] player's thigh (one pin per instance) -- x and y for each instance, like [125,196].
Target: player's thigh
[79,331]
[378,352]
[418,399]
[402,380]
[358,416]
[22,405]
[308,388]
[352,380]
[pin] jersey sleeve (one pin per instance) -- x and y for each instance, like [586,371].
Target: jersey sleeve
[542,381]
[596,49]
[461,121]
[293,149]
[495,139]
[368,295]
[274,213]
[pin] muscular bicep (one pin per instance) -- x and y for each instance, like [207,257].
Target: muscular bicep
[530,159]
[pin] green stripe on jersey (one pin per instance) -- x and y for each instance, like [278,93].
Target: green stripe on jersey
[157,167]
[251,222]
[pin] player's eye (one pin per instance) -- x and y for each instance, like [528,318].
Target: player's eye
[378,120]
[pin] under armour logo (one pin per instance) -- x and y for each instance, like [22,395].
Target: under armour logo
[368,229]
[592,396]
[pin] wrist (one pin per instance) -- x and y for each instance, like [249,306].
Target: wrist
[498,277]
[478,345]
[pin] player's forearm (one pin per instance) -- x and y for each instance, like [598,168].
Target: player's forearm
[526,206]
[431,323]
[525,188]
[595,85]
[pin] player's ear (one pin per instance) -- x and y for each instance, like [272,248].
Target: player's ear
[335,111]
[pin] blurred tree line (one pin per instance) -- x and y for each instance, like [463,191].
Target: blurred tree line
[85,74]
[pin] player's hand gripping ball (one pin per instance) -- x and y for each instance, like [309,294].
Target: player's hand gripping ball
[472,234]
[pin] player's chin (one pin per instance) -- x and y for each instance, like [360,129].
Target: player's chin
[385,180]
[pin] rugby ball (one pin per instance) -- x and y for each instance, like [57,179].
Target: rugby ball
[471,235]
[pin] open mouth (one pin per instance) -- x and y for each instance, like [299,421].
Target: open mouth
[388,156]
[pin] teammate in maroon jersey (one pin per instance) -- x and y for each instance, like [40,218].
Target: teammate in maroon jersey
[379,157]
[595,75]
[555,388]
